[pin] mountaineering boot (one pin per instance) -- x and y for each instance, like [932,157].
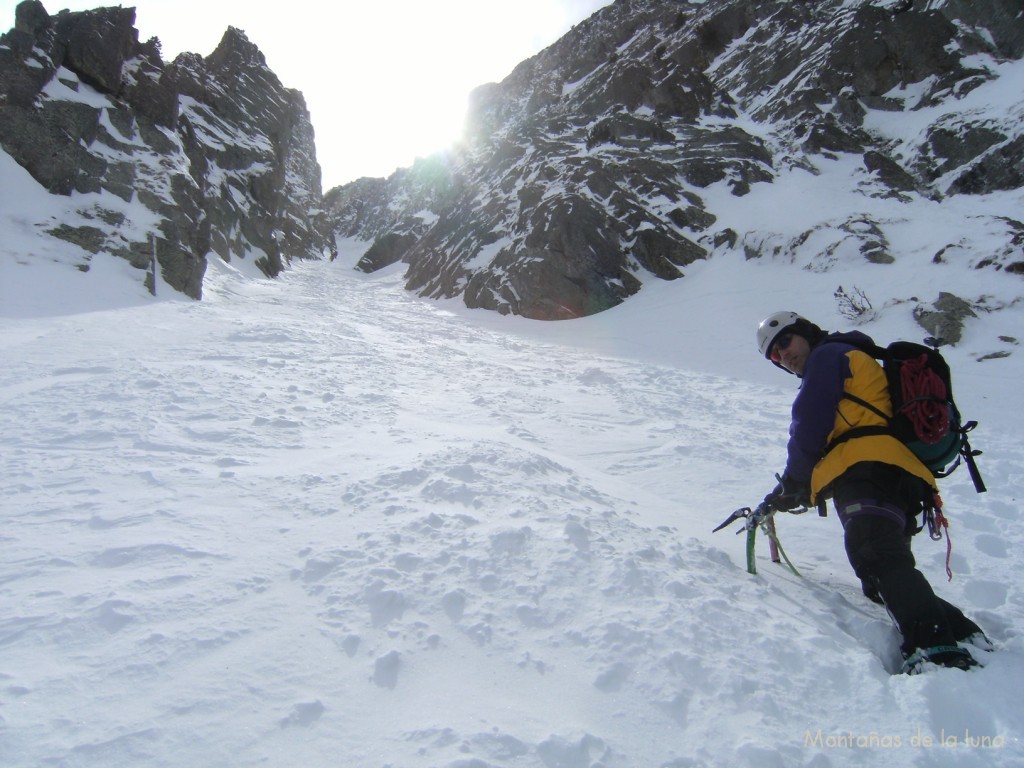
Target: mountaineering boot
[941,655]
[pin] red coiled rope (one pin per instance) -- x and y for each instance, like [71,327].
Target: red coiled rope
[924,400]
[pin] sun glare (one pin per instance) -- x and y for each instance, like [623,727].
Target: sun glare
[385,83]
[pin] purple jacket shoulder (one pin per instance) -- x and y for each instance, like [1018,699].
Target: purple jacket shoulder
[814,409]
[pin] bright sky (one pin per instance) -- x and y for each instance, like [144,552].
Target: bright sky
[385,82]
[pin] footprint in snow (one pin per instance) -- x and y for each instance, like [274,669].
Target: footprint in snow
[304,713]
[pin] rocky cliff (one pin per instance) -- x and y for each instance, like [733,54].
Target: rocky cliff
[218,153]
[611,156]
[653,135]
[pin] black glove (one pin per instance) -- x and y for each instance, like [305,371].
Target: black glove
[789,494]
[870,591]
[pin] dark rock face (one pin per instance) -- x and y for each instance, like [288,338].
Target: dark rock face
[218,152]
[598,161]
[620,153]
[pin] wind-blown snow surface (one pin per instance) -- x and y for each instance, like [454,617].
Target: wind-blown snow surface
[320,522]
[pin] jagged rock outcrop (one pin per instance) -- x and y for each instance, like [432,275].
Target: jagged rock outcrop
[220,155]
[605,157]
[640,143]
[944,318]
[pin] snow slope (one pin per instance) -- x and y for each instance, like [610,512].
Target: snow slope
[320,522]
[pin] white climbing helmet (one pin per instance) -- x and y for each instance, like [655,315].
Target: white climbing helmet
[772,326]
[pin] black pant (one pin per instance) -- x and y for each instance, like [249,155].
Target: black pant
[877,504]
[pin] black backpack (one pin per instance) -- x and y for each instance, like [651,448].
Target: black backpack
[925,417]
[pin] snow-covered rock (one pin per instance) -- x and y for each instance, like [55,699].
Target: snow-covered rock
[616,153]
[217,151]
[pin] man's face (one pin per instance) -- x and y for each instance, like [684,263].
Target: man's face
[790,351]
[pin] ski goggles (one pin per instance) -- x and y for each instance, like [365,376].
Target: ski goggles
[780,345]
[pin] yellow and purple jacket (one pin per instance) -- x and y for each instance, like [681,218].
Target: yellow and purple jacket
[821,414]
